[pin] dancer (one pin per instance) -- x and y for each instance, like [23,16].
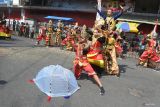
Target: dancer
[95,55]
[42,34]
[81,63]
[58,37]
[150,52]
[49,37]
[110,52]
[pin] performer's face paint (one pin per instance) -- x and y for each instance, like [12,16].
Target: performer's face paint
[95,32]
[109,12]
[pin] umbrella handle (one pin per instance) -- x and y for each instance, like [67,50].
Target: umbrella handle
[31,81]
[49,98]
[66,97]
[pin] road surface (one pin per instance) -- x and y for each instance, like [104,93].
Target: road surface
[20,61]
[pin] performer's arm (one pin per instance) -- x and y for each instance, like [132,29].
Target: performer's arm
[102,14]
[119,14]
[102,40]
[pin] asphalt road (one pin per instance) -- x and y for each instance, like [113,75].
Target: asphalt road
[20,61]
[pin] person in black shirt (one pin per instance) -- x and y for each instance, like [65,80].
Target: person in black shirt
[14,25]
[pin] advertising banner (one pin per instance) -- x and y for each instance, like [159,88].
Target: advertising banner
[16,2]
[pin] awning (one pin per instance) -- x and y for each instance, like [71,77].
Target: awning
[60,18]
[128,27]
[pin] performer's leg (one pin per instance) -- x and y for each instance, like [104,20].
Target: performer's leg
[39,38]
[55,41]
[92,73]
[63,43]
[77,71]
[59,41]
[44,38]
[114,64]
[108,63]
[47,40]
[96,78]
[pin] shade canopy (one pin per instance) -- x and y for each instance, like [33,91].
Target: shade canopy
[60,18]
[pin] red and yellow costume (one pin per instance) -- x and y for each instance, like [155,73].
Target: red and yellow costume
[95,54]
[111,65]
[5,31]
[69,42]
[81,63]
[42,34]
[58,37]
[149,53]
[118,48]
[49,37]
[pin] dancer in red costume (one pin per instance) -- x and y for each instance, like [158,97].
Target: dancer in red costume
[118,46]
[95,52]
[81,63]
[42,34]
[149,53]
[69,41]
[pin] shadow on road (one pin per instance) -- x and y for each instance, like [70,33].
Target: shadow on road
[122,68]
[101,72]
[2,82]
[29,46]
[4,42]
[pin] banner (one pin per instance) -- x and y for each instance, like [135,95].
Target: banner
[99,8]
[16,2]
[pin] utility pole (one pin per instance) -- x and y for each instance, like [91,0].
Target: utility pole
[30,2]
[42,3]
[159,9]
[9,5]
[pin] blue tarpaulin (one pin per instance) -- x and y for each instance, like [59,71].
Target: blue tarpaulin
[8,2]
[60,18]
[2,2]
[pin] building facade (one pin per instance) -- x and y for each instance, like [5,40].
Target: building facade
[83,11]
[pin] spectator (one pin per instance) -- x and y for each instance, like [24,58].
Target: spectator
[136,43]
[14,25]
[125,47]
[27,30]
[18,28]
[141,48]
[32,31]
[22,29]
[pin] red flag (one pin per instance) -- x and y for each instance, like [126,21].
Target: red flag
[31,81]
[49,98]
[155,27]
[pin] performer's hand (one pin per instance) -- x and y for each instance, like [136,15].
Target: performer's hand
[80,64]
[156,21]
[121,7]
[124,9]
[95,7]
